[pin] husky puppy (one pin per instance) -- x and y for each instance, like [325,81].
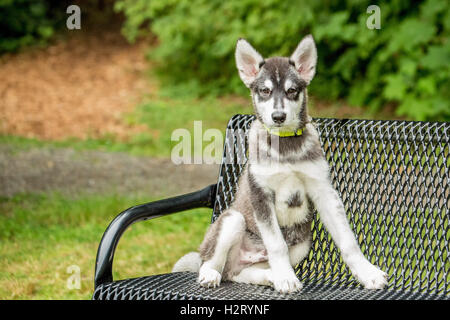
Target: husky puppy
[267,229]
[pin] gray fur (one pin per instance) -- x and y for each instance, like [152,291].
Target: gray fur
[242,204]
[208,245]
[261,200]
[295,200]
[297,233]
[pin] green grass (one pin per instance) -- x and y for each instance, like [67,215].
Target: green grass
[41,235]
[163,116]
[106,143]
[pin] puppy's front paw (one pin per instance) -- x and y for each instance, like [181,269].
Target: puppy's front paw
[208,277]
[371,276]
[286,282]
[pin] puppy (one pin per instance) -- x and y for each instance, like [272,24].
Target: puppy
[267,229]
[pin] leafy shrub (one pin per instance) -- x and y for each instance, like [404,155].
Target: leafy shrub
[405,63]
[26,22]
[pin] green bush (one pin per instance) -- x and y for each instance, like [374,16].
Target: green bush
[27,22]
[405,63]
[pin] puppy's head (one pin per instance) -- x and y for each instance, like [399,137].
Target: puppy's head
[278,85]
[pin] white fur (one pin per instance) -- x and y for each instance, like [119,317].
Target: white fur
[283,276]
[287,84]
[190,262]
[269,156]
[268,84]
[292,109]
[208,276]
[299,252]
[265,109]
[259,273]
[282,179]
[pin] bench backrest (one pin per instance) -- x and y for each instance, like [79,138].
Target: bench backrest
[393,178]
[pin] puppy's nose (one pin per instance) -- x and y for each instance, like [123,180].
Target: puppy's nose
[278,117]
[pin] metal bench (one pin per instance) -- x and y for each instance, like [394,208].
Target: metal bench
[393,178]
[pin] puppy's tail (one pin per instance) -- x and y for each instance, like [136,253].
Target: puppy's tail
[189,262]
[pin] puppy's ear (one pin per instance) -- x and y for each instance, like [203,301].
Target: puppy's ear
[248,61]
[305,58]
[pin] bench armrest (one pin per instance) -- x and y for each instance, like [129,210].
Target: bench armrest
[110,239]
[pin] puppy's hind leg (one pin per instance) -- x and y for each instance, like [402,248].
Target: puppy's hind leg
[223,234]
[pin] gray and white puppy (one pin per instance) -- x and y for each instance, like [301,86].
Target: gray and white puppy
[267,229]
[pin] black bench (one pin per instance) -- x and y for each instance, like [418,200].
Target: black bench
[393,178]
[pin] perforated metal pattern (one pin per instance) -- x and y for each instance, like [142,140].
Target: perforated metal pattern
[184,286]
[394,181]
[181,285]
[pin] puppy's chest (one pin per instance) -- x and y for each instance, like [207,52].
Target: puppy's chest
[288,187]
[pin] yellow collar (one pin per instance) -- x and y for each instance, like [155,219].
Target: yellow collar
[284,133]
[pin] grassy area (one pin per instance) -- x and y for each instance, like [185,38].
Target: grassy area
[41,236]
[164,115]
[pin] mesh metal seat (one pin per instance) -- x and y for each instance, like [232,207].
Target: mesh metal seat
[394,181]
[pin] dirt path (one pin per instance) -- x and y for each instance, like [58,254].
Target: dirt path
[72,172]
[79,86]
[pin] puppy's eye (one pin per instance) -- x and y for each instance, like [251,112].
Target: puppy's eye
[291,91]
[265,91]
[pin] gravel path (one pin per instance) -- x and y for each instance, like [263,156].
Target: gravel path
[73,172]
[79,86]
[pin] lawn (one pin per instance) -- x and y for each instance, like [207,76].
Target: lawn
[44,238]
